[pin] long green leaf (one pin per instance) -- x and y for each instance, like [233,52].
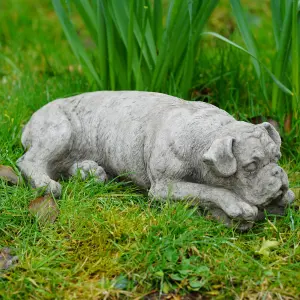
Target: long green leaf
[75,42]
[295,57]
[248,38]
[186,83]
[275,79]
[101,42]
[164,58]
[280,64]
[88,16]
[276,7]
[111,50]
[186,39]
[130,43]
[158,22]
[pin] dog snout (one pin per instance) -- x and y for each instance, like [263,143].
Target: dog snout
[287,198]
[280,174]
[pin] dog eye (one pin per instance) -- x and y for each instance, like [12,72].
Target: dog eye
[250,167]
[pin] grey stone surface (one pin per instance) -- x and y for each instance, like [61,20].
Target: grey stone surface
[177,149]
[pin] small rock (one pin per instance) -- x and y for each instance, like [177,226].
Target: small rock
[45,209]
[6,259]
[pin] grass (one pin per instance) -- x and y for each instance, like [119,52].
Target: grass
[109,240]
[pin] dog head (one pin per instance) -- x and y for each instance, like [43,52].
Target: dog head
[244,160]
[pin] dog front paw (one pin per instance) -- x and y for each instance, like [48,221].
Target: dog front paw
[241,225]
[237,209]
[248,212]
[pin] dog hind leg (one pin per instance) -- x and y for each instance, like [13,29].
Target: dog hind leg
[35,172]
[47,157]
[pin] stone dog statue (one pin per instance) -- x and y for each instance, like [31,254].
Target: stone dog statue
[177,149]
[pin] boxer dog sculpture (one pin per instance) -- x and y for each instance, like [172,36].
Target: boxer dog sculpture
[177,149]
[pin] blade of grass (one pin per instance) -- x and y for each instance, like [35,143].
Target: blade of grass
[101,43]
[276,7]
[188,63]
[88,16]
[130,37]
[150,41]
[158,22]
[187,43]
[249,40]
[275,79]
[164,58]
[282,54]
[110,47]
[75,42]
[295,58]
[119,11]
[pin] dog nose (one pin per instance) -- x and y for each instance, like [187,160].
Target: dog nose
[277,171]
[288,198]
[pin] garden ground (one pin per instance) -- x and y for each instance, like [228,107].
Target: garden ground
[108,240]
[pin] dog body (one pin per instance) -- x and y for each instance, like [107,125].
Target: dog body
[175,148]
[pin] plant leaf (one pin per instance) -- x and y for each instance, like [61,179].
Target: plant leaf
[45,209]
[196,284]
[266,246]
[275,79]
[75,42]
[8,174]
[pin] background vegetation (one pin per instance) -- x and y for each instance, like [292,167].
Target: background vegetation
[154,45]
[109,241]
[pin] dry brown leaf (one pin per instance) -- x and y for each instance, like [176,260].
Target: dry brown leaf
[45,209]
[8,174]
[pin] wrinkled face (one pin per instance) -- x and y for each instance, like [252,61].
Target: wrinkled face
[246,163]
[259,179]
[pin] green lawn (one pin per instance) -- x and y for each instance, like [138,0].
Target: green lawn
[108,240]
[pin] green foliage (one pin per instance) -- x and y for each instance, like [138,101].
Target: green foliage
[285,102]
[140,44]
[153,45]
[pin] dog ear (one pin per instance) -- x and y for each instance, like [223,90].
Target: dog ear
[273,133]
[220,157]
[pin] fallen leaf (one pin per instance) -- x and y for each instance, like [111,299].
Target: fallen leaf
[8,174]
[6,259]
[266,246]
[45,209]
